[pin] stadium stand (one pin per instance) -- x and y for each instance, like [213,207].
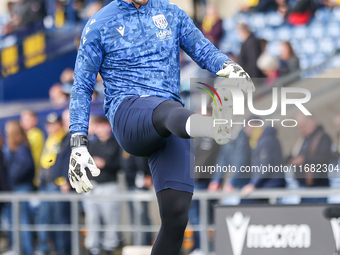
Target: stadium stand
[32,60]
[313,43]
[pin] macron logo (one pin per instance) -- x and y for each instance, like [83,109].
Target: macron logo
[336,230]
[121,30]
[237,227]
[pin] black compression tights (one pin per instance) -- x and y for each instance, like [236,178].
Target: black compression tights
[170,117]
[174,209]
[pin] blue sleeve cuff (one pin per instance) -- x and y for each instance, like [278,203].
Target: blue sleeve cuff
[78,129]
[220,62]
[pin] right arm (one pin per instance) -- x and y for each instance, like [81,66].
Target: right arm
[88,63]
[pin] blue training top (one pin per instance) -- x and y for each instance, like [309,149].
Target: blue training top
[137,53]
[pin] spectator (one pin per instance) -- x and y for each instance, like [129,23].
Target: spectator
[331,3]
[263,43]
[25,13]
[106,154]
[20,176]
[336,122]
[199,5]
[288,61]
[29,122]
[237,154]
[61,98]
[8,27]
[225,158]
[57,9]
[58,97]
[138,177]
[212,27]
[60,177]
[269,65]
[62,160]
[66,78]
[302,12]
[47,210]
[250,52]
[259,6]
[191,69]
[206,152]
[3,173]
[92,8]
[3,178]
[334,181]
[282,7]
[98,89]
[313,147]
[267,152]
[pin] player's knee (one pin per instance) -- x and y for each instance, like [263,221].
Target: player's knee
[177,218]
[181,222]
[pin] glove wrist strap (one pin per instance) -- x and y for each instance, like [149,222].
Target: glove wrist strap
[225,64]
[78,140]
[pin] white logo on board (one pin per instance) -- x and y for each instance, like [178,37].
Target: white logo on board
[270,236]
[336,230]
[237,227]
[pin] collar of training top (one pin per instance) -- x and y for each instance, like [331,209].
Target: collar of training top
[130,6]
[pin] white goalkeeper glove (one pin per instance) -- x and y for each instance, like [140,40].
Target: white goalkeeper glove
[233,70]
[80,161]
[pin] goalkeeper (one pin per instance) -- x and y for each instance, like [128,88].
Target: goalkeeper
[135,44]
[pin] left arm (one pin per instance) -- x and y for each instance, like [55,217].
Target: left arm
[207,56]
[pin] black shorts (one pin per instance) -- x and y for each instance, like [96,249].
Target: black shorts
[170,159]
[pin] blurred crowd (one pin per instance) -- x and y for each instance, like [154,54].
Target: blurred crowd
[253,57]
[260,146]
[295,11]
[35,159]
[56,13]
[59,93]
[26,14]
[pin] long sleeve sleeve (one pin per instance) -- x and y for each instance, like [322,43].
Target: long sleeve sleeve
[88,63]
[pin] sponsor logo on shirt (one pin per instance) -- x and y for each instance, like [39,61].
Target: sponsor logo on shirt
[164,35]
